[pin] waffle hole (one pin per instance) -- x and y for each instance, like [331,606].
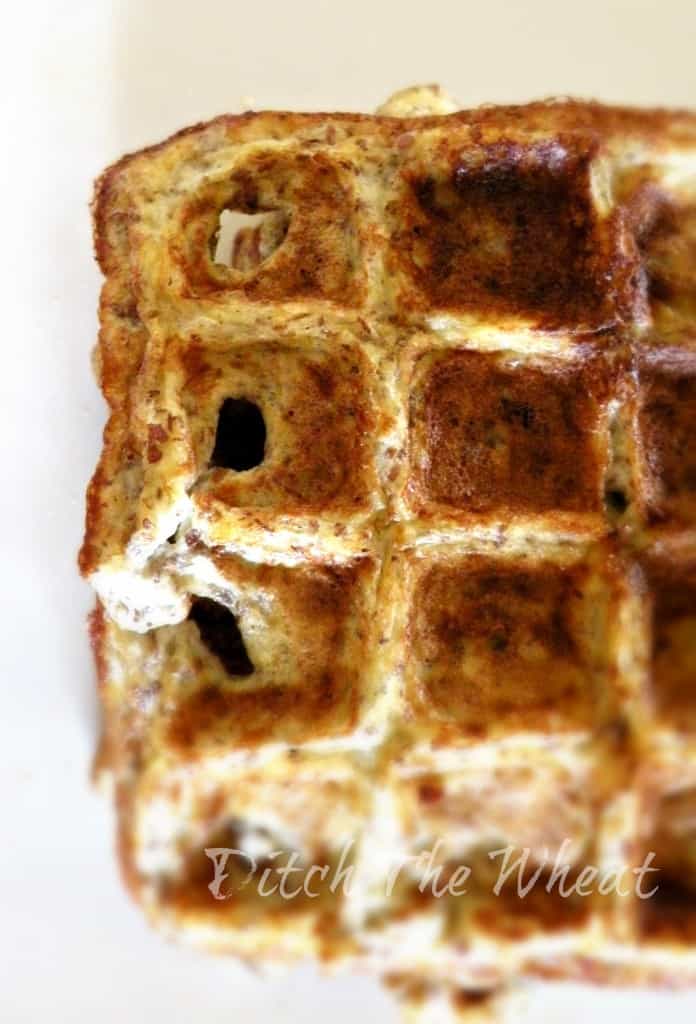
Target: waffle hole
[243,241]
[616,500]
[240,438]
[219,631]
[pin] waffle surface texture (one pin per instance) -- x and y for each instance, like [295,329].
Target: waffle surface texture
[394,535]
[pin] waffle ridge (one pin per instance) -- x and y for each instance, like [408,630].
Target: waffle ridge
[463,571]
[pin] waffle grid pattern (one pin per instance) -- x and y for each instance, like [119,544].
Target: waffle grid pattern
[465,571]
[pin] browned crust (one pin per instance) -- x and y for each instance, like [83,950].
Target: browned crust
[451,240]
[489,437]
[498,646]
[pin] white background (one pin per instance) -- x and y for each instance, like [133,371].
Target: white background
[81,83]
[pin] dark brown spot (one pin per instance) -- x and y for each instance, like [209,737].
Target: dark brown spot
[430,792]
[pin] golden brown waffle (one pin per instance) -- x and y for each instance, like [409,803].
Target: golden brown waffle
[394,536]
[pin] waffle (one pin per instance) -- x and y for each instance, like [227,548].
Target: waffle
[393,537]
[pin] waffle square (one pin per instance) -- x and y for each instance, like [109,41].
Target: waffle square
[492,438]
[505,226]
[673,606]
[667,416]
[501,645]
[670,917]
[316,473]
[393,538]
